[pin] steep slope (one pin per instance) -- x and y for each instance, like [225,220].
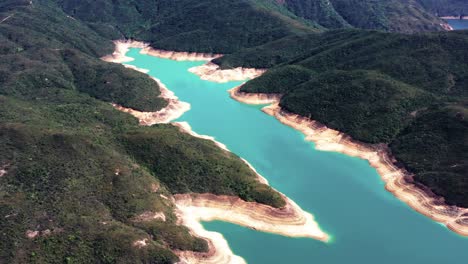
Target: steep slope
[371,107]
[393,15]
[77,177]
[221,26]
[320,11]
[442,8]
[435,62]
[225,26]
[435,147]
[81,182]
[408,91]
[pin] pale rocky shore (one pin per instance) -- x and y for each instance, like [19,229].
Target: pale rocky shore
[446,27]
[179,56]
[122,47]
[173,110]
[208,71]
[290,220]
[398,181]
[212,72]
[253,98]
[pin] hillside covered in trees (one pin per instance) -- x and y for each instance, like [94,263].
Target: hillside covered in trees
[446,7]
[408,91]
[221,26]
[78,176]
[390,15]
[225,26]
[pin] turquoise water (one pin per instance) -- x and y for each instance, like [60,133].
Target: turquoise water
[458,23]
[345,194]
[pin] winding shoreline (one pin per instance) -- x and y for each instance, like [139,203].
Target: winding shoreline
[208,71]
[290,220]
[122,47]
[193,208]
[174,109]
[397,180]
[212,72]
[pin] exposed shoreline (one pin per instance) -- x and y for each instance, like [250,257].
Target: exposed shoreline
[178,55]
[212,72]
[208,71]
[174,109]
[290,220]
[122,47]
[287,221]
[397,180]
[455,17]
[447,26]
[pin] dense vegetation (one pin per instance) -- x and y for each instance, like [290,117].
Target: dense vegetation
[371,107]
[409,91]
[446,7]
[225,26]
[220,26]
[389,15]
[435,147]
[79,180]
[42,48]
[321,11]
[186,165]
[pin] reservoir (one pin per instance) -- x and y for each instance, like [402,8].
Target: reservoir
[458,24]
[368,225]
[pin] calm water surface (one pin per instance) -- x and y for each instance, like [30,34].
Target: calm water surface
[345,194]
[458,23]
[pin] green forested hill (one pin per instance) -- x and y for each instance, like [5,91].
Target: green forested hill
[320,11]
[388,15]
[409,91]
[435,62]
[225,26]
[80,174]
[446,7]
[370,106]
[434,146]
[220,26]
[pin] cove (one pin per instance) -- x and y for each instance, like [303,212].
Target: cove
[345,194]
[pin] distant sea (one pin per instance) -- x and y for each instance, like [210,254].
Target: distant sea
[458,23]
